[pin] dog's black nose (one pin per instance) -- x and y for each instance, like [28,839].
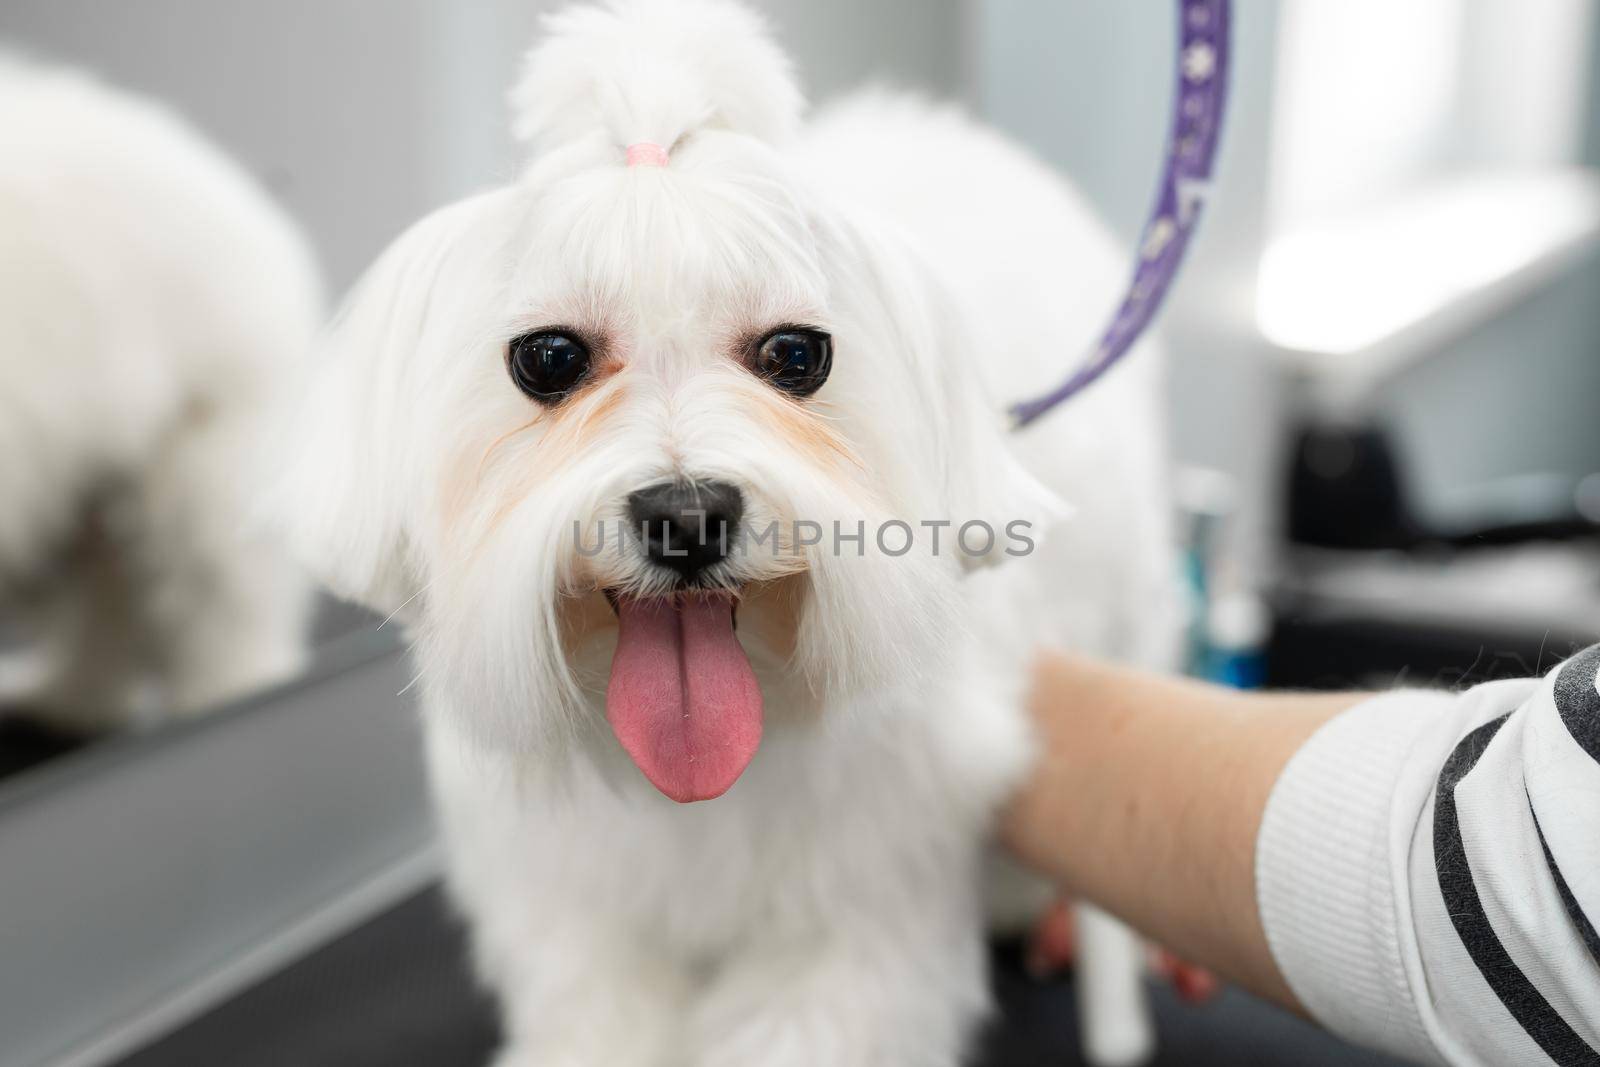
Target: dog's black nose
[686,526]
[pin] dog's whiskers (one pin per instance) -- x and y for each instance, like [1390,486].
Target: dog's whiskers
[411,684]
[407,603]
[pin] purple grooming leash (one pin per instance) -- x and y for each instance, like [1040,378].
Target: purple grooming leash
[1199,100]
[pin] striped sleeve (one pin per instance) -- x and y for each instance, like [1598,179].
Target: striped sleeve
[1428,872]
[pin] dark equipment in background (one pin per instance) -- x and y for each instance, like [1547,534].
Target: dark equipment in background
[1353,528]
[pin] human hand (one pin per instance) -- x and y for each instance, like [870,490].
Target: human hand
[1052,947]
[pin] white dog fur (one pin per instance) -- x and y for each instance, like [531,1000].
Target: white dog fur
[152,300]
[827,910]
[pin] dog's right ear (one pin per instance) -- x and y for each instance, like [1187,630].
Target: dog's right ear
[353,457]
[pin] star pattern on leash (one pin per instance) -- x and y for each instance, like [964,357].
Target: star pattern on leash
[1199,62]
[1192,196]
[1159,236]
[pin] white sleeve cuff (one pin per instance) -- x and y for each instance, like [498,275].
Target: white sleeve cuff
[1323,873]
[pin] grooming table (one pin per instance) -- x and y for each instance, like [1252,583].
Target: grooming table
[396,991]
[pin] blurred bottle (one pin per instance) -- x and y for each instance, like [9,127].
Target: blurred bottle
[1229,624]
[1238,626]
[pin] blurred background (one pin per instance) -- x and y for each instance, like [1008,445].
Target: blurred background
[1385,369]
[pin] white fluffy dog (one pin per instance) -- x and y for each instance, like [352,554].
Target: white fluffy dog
[151,301]
[696,313]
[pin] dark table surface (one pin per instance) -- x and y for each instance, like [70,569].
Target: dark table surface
[395,993]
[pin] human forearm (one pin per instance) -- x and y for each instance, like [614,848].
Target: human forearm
[1146,784]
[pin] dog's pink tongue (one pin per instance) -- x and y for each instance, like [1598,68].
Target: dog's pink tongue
[682,698]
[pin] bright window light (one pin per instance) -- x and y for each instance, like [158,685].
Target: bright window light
[1346,286]
[1423,159]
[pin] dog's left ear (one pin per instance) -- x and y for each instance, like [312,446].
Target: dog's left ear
[950,426]
[985,479]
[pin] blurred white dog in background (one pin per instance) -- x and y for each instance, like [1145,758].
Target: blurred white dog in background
[695,312]
[152,303]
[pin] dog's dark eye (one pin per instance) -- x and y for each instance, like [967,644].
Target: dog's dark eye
[548,365]
[795,359]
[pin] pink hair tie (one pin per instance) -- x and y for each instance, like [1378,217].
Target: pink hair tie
[646,154]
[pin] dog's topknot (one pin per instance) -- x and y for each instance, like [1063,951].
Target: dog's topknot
[653,71]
